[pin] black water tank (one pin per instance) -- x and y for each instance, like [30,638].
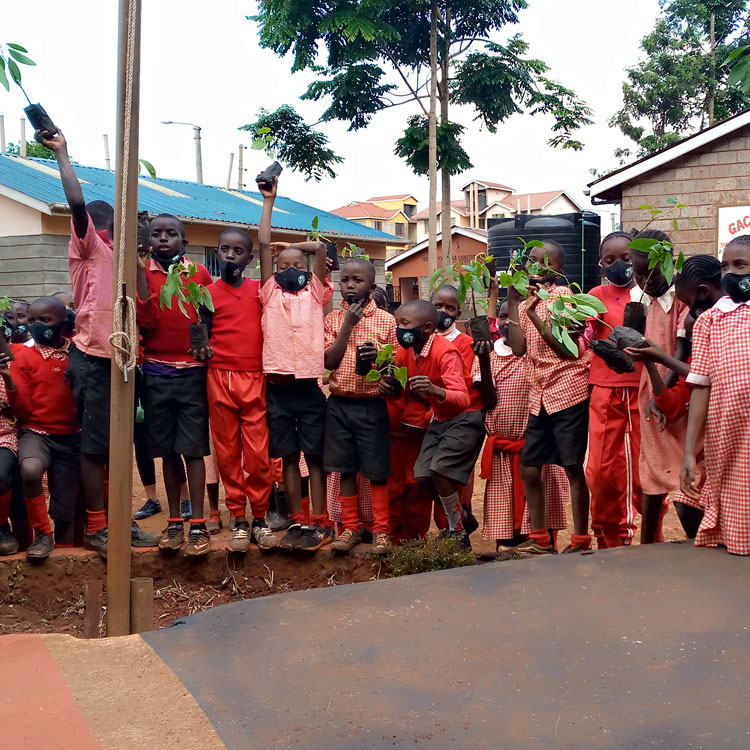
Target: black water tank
[578,233]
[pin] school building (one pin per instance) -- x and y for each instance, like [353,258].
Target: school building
[410,270]
[709,172]
[35,222]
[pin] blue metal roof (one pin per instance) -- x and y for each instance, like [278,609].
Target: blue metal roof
[189,200]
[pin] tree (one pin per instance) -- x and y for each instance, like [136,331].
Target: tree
[377,56]
[32,149]
[681,86]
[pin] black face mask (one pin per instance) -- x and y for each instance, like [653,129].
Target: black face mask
[410,338]
[445,321]
[19,332]
[353,299]
[619,273]
[165,261]
[231,271]
[43,333]
[737,286]
[292,279]
[661,291]
[7,328]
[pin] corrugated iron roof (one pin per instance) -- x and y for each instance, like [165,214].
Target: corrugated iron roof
[37,178]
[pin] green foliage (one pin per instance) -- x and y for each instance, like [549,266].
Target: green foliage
[418,556]
[294,142]
[352,251]
[738,63]
[412,147]
[33,149]
[385,365]
[469,278]
[148,166]
[178,285]
[5,303]
[263,141]
[668,94]
[10,56]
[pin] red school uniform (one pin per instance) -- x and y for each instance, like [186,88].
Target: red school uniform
[614,433]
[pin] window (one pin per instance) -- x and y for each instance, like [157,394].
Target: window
[378,225]
[400,230]
[426,225]
[409,210]
[211,261]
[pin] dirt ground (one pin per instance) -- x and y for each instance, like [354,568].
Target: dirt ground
[49,598]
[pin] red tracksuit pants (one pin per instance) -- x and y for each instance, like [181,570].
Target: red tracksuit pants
[237,412]
[410,501]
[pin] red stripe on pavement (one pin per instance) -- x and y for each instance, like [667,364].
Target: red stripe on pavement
[37,709]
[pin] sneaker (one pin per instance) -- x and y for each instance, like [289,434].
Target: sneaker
[40,548]
[262,535]
[314,538]
[240,541]
[573,549]
[469,521]
[186,510]
[149,508]
[97,541]
[381,543]
[348,540]
[172,537]
[199,542]
[293,535]
[141,538]
[460,535]
[8,543]
[214,527]
[529,548]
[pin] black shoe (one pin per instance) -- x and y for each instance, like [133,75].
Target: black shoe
[141,538]
[277,516]
[8,543]
[365,535]
[470,522]
[149,508]
[315,537]
[460,535]
[40,548]
[96,542]
[186,510]
[293,535]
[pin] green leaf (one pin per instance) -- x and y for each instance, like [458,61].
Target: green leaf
[505,279]
[667,268]
[532,243]
[672,200]
[644,244]
[3,77]
[543,294]
[645,207]
[674,224]
[263,131]
[590,301]
[568,344]
[373,375]
[402,375]
[15,73]
[181,305]
[258,144]
[381,358]
[679,262]
[18,47]
[434,278]
[208,301]
[149,167]
[315,222]
[21,58]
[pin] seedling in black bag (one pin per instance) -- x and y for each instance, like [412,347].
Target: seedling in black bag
[190,293]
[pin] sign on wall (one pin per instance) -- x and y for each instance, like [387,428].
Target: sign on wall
[733,221]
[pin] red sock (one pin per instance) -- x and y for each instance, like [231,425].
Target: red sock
[95,521]
[381,507]
[197,520]
[584,540]
[321,519]
[4,508]
[38,516]
[175,520]
[306,509]
[298,517]
[554,540]
[350,512]
[214,515]
[541,537]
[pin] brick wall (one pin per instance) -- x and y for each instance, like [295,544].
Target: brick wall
[33,266]
[717,175]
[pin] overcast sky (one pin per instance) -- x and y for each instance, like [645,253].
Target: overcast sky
[201,63]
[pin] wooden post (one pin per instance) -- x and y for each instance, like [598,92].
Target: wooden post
[92,608]
[229,173]
[240,158]
[121,402]
[22,142]
[141,605]
[2,134]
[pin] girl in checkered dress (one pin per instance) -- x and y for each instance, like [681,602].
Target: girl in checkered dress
[505,512]
[720,405]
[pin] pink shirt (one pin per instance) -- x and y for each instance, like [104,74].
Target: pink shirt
[90,261]
[292,322]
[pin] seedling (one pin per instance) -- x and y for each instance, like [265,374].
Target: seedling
[352,251]
[385,366]
[349,251]
[473,279]
[263,142]
[178,285]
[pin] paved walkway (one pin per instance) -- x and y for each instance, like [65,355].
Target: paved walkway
[631,648]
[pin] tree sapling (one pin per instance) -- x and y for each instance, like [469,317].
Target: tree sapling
[179,286]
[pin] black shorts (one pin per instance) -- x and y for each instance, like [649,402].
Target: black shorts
[451,448]
[89,379]
[296,416]
[8,469]
[560,438]
[175,411]
[61,458]
[358,437]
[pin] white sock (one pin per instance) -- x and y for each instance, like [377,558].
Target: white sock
[452,510]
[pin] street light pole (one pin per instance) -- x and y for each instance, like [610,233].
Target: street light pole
[198,156]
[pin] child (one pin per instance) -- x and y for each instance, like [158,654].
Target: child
[17,317]
[293,354]
[357,425]
[505,393]
[8,462]
[557,429]
[720,374]
[174,386]
[90,261]
[237,392]
[614,417]
[436,374]
[660,456]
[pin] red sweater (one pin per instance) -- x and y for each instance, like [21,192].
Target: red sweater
[166,333]
[236,334]
[43,400]
[465,346]
[441,362]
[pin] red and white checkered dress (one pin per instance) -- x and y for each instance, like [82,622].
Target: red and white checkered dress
[333,485]
[721,359]
[508,419]
[660,459]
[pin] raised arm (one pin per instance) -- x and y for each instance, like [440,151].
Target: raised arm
[71,186]
[264,231]
[335,352]
[515,334]
[545,331]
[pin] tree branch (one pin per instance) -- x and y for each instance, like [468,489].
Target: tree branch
[405,80]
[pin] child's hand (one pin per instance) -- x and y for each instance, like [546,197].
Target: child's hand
[143,259]
[482,348]
[203,354]
[353,315]
[53,142]
[266,190]
[532,299]
[652,410]
[4,366]
[494,286]
[368,352]
[329,265]
[387,388]
[423,386]
[649,353]
[687,477]
[278,247]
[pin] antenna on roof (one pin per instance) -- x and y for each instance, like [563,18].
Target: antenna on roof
[107,161]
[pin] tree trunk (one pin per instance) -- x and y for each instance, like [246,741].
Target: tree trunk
[712,90]
[432,255]
[445,190]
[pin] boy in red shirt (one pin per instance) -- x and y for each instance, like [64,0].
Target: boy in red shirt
[237,390]
[557,430]
[436,374]
[174,385]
